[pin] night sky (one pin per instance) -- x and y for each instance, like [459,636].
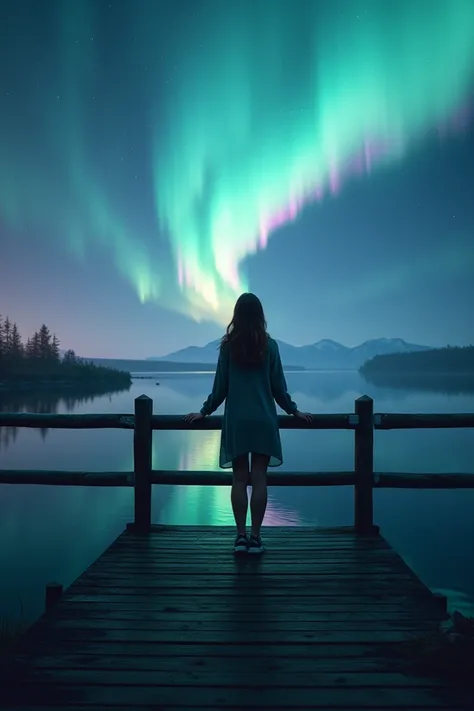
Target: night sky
[158,158]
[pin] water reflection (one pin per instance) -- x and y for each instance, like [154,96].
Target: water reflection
[325,386]
[210,505]
[455,384]
[54,532]
[47,402]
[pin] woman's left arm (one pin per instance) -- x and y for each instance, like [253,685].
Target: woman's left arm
[220,387]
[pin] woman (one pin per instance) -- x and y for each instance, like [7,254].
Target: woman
[249,377]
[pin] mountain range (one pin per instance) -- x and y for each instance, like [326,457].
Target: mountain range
[324,354]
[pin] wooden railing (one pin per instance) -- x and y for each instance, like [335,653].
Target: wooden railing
[363,421]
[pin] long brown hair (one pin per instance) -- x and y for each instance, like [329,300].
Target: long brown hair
[246,335]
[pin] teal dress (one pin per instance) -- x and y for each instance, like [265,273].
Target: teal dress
[250,421]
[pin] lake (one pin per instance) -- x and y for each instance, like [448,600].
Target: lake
[53,533]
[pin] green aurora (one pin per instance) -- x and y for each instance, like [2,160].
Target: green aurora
[249,112]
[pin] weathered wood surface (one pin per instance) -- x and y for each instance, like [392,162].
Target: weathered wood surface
[62,421]
[320,421]
[170,477]
[173,621]
[364,466]
[142,458]
[381,421]
[65,478]
[423,480]
[382,480]
[429,421]
[164,422]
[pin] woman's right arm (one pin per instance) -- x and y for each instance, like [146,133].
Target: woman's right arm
[220,387]
[278,382]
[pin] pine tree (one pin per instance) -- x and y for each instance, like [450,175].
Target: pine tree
[55,352]
[70,357]
[44,342]
[32,349]
[16,349]
[7,336]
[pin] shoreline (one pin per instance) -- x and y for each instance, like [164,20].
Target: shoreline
[63,384]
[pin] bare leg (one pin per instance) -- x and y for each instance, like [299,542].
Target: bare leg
[258,501]
[238,496]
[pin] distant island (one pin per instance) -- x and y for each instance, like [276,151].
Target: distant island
[450,369]
[163,366]
[322,355]
[38,363]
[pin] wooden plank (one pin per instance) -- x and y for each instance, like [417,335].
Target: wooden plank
[226,548]
[363,542]
[244,582]
[65,478]
[248,565]
[316,562]
[174,621]
[155,540]
[275,550]
[210,677]
[250,614]
[240,593]
[280,553]
[249,561]
[396,480]
[244,569]
[52,694]
[319,421]
[325,531]
[224,551]
[274,478]
[423,480]
[63,421]
[149,600]
[188,661]
[243,562]
[393,421]
[335,539]
[226,624]
[159,530]
[161,707]
[106,707]
[236,636]
[125,650]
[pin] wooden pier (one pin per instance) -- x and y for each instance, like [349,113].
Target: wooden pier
[169,619]
[173,620]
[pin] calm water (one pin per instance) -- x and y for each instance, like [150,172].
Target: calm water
[53,533]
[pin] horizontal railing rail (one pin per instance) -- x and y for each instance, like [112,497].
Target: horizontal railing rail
[163,422]
[362,421]
[382,480]
[414,421]
[381,421]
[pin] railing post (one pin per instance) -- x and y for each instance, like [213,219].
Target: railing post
[364,466]
[142,455]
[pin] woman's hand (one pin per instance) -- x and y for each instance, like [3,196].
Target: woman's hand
[193,417]
[307,416]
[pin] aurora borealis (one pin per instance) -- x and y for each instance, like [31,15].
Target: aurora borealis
[292,103]
[166,143]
